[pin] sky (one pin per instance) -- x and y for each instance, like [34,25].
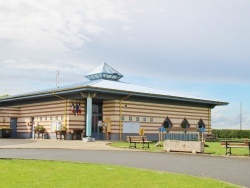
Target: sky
[195,47]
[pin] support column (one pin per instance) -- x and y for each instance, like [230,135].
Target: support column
[88,125]
[89,116]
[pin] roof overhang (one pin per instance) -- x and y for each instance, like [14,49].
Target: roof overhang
[88,88]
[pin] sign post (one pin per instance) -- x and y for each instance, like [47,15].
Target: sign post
[202,129]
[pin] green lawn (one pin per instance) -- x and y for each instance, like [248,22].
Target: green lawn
[122,144]
[36,173]
[213,147]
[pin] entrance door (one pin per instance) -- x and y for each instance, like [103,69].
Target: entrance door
[97,120]
[13,126]
[97,127]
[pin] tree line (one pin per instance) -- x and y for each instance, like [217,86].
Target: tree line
[4,96]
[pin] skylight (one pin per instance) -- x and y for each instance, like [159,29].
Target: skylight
[104,71]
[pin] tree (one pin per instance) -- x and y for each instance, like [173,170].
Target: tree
[4,96]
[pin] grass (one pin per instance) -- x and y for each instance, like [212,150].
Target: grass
[213,147]
[36,173]
[122,144]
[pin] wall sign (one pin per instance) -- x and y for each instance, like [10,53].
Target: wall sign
[131,127]
[55,125]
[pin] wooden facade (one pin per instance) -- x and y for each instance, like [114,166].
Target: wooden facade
[151,115]
[44,114]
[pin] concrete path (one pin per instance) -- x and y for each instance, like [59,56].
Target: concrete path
[54,144]
[232,170]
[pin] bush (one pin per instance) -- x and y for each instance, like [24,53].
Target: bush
[226,133]
[39,128]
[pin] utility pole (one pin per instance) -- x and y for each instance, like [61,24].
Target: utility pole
[57,79]
[240,115]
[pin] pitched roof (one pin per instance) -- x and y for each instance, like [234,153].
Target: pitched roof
[117,87]
[104,79]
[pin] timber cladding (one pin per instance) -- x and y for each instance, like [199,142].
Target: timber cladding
[6,114]
[44,113]
[151,115]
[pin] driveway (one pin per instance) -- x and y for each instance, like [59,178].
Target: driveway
[232,170]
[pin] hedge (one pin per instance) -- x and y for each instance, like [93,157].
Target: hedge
[225,133]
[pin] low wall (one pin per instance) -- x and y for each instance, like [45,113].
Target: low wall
[186,146]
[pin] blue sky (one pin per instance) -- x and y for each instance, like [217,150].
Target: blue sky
[193,47]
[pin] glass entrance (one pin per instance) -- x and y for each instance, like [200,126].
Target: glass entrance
[97,115]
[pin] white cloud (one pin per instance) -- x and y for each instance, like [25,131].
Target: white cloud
[126,28]
[55,25]
[228,117]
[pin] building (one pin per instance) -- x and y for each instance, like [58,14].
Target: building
[105,108]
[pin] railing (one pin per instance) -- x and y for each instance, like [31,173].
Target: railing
[189,136]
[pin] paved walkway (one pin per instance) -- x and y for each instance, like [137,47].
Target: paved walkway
[232,170]
[54,144]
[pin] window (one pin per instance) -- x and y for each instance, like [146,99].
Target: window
[151,119]
[46,118]
[144,119]
[114,77]
[201,124]
[167,124]
[122,118]
[41,118]
[97,108]
[61,117]
[56,117]
[50,118]
[185,124]
[130,118]
[137,119]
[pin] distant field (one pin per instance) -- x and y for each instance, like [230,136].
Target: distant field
[36,173]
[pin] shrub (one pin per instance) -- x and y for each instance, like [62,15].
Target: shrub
[226,133]
[39,128]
